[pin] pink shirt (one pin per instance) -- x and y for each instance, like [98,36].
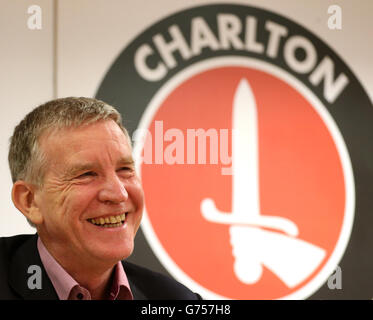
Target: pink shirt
[68,289]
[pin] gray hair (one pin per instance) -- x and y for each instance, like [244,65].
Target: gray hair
[26,159]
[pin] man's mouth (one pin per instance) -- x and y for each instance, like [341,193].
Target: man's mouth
[109,221]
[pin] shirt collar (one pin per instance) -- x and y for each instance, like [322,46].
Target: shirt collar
[63,283]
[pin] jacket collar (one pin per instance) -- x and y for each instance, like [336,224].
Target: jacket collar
[137,293]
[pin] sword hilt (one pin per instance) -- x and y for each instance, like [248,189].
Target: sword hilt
[212,214]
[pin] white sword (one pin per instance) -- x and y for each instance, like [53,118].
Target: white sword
[245,170]
[291,259]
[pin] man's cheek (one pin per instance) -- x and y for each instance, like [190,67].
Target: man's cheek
[65,203]
[135,191]
[60,202]
[79,202]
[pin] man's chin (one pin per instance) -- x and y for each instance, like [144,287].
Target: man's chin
[112,255]
[108,245]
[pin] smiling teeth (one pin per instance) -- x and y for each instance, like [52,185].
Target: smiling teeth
[111,221]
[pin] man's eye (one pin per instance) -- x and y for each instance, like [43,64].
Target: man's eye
[125,169]
[87,174]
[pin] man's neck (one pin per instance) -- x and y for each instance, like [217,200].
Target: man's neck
[95,276]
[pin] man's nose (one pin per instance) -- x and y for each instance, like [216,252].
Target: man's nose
[113,190]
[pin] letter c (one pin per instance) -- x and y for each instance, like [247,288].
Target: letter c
[143,69]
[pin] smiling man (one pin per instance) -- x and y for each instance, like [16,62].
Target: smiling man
[75,182]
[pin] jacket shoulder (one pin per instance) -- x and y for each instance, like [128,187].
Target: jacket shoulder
[8,246]
[157,286]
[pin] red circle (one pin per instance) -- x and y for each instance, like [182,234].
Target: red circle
[300,172]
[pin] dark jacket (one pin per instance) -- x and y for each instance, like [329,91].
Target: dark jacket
[19,252]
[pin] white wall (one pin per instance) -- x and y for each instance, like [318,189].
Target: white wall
[26,65]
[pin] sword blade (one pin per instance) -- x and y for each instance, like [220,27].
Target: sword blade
[245,171]
[245,167]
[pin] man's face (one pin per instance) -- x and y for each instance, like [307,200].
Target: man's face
[89,175]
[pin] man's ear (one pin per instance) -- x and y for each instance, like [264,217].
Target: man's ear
[23,196]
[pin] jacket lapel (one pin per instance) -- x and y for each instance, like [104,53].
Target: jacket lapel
[132,280]
[24,257]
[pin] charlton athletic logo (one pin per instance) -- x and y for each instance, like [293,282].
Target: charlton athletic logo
[246,130]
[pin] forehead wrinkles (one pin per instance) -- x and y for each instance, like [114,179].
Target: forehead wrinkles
[102,129]
[78,148]
[98,159]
